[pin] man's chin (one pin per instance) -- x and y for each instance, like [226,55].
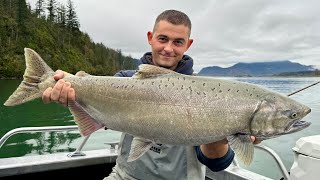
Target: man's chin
[166,65]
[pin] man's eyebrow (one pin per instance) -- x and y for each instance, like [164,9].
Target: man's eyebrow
[179,39]
[161,35]
[176,39]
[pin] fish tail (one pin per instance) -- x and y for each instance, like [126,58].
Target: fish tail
[37,77]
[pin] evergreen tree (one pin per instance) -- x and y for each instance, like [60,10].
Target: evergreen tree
[61,15]
[72,20]
[10,8]
[22,19]
[22,12]
[40,8]
[29,7]
[1,23]
[51,7]
[1,8]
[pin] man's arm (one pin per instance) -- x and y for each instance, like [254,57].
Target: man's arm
[218,155]
[215,150]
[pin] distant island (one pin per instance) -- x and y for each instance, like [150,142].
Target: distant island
[275,68]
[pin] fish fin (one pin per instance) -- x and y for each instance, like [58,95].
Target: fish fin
[37,71]
[243,147]
[139,146]
[86,123]
[147,70]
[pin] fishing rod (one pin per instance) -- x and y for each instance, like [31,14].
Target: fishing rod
[303,88]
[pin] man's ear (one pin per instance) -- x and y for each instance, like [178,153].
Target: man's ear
[190,41]
[149,35]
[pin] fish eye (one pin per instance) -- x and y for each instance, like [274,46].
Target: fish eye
[294,115]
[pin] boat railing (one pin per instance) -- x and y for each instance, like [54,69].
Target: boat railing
[35,129]
[274,155]
[277,158]
[113,145]
[77,152]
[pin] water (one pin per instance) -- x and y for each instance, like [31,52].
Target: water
[37,114]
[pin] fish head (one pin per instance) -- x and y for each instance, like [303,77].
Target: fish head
[277,115]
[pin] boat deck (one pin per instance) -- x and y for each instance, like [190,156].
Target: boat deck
[97,163]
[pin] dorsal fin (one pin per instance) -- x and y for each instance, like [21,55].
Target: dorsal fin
[82,74]
[147,70]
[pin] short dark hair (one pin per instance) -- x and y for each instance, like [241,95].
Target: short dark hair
[174,17]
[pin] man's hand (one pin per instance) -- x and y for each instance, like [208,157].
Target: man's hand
[62,92]
[255,141]
[220,148]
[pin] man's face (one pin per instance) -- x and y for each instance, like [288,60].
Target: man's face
[168,43]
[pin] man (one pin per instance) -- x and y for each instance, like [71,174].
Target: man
[169,40]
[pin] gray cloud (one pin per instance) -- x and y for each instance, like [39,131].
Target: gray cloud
[224,32]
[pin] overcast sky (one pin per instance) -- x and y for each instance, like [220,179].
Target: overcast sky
[225,32]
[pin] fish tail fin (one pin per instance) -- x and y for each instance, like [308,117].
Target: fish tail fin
[36,73]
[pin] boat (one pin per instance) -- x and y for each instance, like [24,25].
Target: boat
[98,163]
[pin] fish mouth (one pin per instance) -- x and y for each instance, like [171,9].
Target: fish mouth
[296,125]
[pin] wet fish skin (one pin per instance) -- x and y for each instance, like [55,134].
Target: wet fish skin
[158,105]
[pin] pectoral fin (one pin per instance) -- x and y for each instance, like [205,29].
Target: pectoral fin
[243,147]
[86,123]
[139,146]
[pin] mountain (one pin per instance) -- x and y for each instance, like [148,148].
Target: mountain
[255,69]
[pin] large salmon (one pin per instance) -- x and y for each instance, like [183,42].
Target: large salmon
[158,105]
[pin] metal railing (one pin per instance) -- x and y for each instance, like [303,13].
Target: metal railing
[276,158]
[274,155]
[35,129]
[77,152]
[46,129]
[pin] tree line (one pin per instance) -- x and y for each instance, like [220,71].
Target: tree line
[54,12]
[52,29]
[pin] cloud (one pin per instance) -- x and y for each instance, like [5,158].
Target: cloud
[224,32]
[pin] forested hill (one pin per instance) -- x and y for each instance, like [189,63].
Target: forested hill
[52,29]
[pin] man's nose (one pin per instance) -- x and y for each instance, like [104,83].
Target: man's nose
[168,47]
